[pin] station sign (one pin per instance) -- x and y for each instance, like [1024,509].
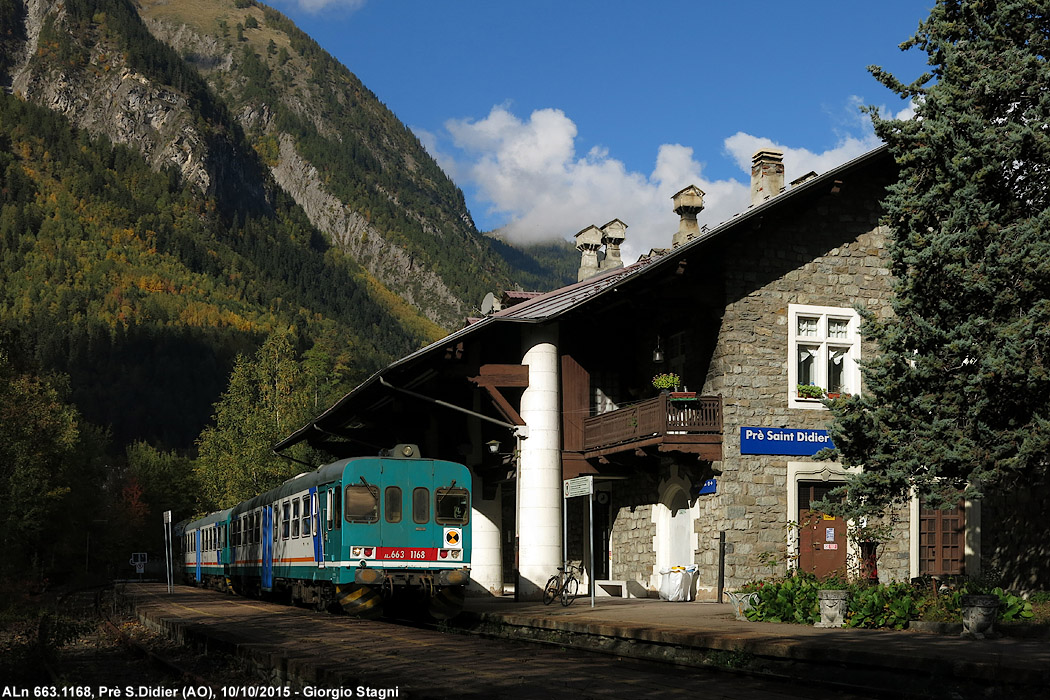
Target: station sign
[580,486]
[801,442]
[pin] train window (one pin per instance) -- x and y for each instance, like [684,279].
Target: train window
[336,517]
[421,504]
[451,506]
[295,517]
[286,519]
[258,527]
[306,516]
[392,504]
[328,510]
[362,503]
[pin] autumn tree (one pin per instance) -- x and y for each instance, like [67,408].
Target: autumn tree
[958,398]
[264,402]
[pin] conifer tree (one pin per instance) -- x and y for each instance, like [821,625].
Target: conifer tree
[958,398]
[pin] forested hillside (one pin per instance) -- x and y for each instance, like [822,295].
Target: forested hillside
[140,290]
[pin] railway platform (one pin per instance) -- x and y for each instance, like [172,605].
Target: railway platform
[884,663]
[833,662]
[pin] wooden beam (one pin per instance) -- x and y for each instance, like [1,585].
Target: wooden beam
[492,377]
[502,376]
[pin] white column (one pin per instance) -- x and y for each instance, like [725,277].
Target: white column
[486,559]
[539,472]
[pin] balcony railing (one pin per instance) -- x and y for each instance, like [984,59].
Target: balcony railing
[660,420]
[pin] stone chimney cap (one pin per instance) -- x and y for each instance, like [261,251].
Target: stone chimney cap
[768,154]
[589,238]
[615,231]
[691,197]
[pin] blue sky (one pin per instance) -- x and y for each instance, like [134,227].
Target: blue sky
[555,115]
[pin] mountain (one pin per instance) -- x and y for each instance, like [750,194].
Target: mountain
[181,179]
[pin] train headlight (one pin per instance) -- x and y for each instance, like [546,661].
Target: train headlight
[456,553]
[356,551]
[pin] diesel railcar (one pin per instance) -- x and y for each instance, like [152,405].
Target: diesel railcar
[358,533]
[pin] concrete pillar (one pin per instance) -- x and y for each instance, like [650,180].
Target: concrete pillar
[539,521]
[486,559]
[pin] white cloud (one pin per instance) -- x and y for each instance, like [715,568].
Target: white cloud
[317,6]
[532,176]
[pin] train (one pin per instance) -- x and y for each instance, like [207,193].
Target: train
[363,535]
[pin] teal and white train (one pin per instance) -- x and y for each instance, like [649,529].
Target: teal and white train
[356,533]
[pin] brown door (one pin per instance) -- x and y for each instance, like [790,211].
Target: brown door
[941,541]
[821,538]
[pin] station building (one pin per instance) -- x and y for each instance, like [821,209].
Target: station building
[718,474]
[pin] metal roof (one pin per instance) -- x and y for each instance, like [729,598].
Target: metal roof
[550,305]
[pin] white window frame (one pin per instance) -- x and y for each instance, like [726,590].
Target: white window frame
[851,344]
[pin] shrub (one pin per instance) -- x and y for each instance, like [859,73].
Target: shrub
[792,599]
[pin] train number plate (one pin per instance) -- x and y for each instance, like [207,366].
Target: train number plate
[407,553]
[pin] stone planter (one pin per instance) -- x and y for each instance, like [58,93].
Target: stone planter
[742,602]
[833,606]
[978,615]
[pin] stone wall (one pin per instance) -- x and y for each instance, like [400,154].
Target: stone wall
[831,254]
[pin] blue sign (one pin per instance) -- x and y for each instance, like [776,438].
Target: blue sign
[708,486]
[801,442]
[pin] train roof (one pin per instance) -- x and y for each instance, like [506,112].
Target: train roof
[213,517]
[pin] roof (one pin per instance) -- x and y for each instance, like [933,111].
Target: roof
[551,305]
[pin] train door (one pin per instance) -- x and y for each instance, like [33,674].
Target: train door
[315,528]
[328,500]
[407,497]
[197,553]
[267,548]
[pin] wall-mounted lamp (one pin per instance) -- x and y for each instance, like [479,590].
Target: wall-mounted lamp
[658,352]
[492,446]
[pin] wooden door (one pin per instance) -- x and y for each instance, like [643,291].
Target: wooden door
[821,537]
[942,541]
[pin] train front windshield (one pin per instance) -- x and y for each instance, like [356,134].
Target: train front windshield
[452,506]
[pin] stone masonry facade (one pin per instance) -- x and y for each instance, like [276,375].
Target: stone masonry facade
[830,254]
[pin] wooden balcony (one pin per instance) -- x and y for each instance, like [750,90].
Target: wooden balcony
[693,426]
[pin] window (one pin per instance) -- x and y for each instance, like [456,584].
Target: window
[295,517]
[451,506]
[336,508]
[421,505]
[392,504]
[362,503]
[286,520]
[823,351]
[258,527]
[306,516]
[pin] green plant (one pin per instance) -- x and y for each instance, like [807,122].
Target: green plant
[1013,607]
[667,380]
[792,599]
[882,605]
[810,391]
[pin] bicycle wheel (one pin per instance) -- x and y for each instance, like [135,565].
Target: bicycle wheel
[568,592]
[550,591]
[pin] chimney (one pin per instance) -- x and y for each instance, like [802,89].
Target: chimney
[613,234]
[767,174]
[687,204]
[588,241]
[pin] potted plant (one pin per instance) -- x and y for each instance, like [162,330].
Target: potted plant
[744,599]
[834,602]
[810,391]
[979,606]
[667,381]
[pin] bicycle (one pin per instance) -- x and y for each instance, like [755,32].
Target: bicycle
[563,586]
